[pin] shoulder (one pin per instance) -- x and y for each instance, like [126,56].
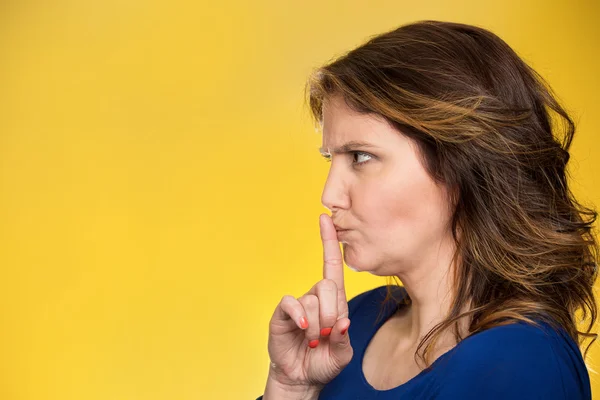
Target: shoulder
[371,299]
[519,359]
[510,337]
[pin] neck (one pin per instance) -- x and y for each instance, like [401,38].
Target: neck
[429,286]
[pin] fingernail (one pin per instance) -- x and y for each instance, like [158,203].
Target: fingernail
[303,323]
[325,331]
[313,343]
[343,331]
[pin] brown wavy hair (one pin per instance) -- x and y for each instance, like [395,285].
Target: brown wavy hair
[490,126]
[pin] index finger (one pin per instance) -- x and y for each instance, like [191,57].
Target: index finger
[333,265]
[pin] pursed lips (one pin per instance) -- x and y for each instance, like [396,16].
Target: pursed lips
[341,232]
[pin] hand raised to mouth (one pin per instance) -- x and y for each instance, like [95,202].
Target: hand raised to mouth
[308,341]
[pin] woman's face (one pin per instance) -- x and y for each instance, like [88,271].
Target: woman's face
[396,216]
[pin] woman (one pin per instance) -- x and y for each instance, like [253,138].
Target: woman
[448,173]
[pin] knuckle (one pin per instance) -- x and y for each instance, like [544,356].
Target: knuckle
[328,284]
[286,299]
[334,262]
[329,317]
[309,300]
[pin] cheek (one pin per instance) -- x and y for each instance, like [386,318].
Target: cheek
[381,206]
[403,209]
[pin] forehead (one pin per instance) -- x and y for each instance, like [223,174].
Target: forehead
[342,124]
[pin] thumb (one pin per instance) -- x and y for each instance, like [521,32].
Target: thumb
[341,348]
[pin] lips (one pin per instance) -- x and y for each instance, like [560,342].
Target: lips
[342,235]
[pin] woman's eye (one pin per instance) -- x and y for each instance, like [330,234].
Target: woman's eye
[358,155]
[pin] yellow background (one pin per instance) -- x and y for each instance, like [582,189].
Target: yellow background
[160,180]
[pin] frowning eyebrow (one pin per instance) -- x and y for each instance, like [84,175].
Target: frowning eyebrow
[347,147]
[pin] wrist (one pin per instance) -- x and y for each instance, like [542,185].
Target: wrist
[278,389]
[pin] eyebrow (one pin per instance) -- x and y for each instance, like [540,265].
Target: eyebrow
[347,147]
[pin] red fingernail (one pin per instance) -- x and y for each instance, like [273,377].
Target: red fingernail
[325,331]
[303,323]
[313,343]
[343,331]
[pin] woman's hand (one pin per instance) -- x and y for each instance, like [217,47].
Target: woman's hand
[308,340]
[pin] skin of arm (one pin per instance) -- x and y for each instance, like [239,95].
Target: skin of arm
[276,390]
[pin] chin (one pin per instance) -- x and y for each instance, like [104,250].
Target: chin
[352,268]
[349,261]
[357,264]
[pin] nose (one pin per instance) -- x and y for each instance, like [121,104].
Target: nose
[335,192]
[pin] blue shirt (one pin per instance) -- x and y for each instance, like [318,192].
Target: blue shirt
[515,361]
